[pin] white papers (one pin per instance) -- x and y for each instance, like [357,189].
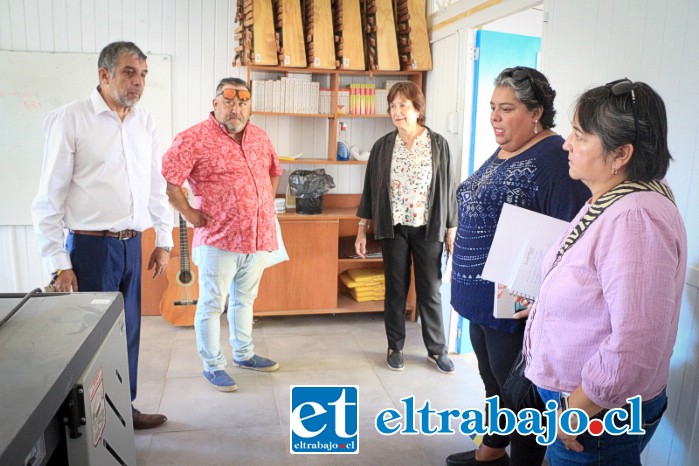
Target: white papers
[522,237]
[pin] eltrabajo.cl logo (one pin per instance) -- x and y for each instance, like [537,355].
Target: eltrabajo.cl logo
[324,419]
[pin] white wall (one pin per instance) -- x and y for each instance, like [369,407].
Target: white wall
[594,42]
[198,34]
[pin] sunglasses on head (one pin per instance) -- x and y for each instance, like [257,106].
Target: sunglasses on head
[230,94]
[622,87]
[522,74]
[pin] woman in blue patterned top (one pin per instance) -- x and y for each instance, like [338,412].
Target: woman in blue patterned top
[529,169]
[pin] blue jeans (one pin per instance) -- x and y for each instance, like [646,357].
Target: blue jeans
[607,449]
[224,273]
[101,263]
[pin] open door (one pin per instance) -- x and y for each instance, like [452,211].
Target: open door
[493,52]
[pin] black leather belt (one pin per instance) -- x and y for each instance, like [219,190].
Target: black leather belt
[122,235]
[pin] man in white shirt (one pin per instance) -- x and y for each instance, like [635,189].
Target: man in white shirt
[101,180]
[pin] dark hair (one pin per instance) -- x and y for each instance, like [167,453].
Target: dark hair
[232,82]
[110,54]
[611,118]
[411,92]
[542,96]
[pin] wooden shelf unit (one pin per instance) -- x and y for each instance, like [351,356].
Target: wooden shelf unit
[334,117]
[309,282]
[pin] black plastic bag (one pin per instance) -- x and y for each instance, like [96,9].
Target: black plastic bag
[308,187]
[308,184]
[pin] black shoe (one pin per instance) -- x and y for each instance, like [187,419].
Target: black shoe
[468,458]
[443,363]
[394,358]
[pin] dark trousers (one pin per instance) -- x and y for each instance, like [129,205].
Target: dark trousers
[427,255]
[109,264]
[496,351]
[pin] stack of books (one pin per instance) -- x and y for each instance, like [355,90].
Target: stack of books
[364,284]
[362,99]
[286,95]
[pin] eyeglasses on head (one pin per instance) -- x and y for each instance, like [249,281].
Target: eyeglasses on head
[229,94]
[520,74]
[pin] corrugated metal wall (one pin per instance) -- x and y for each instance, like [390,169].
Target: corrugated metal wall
[199,35]
[584,42]
[594,42]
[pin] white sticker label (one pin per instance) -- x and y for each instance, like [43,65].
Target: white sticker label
[287,59]
[100,301]
[345,62]
[316,61]
[258,58]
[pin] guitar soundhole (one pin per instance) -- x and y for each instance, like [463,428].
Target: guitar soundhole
[185,277]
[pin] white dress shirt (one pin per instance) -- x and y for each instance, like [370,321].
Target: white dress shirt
[99,173]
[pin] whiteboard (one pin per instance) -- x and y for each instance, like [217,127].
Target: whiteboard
[34,83]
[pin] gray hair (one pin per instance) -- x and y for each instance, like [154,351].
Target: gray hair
[109,56]
[525,93]
[231,82]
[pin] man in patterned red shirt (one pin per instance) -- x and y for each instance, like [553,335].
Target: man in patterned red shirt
[233,172]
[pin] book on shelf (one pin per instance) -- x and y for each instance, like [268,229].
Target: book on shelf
[290,158]
[343,101]
[362,98]
[324,101]
[522,238]
[286,95]
[381,101]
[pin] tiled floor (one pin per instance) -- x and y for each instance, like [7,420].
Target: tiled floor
[251,426]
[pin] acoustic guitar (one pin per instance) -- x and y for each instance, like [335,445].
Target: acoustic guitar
[178,303]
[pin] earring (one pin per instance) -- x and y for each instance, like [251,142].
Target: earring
[536,127]
[614,170]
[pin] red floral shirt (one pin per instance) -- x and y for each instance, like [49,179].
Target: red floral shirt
[231,183]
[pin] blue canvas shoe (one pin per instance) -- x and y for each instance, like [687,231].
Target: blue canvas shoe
[221,381]
[257,363]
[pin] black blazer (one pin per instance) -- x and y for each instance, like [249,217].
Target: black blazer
[376,197]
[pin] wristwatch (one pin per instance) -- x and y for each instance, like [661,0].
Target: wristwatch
[165,248]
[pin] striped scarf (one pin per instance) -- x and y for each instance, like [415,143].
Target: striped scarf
[606,200]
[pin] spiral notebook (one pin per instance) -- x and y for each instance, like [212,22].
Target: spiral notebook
[522,237]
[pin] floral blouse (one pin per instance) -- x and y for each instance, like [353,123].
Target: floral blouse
[411,178]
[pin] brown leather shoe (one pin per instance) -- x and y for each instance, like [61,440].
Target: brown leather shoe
[143,421]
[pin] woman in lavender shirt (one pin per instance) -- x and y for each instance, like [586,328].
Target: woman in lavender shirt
[605,321]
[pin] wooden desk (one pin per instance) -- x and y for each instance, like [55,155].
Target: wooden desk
[309,282]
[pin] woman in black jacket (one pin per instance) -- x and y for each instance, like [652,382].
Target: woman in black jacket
[409,195]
